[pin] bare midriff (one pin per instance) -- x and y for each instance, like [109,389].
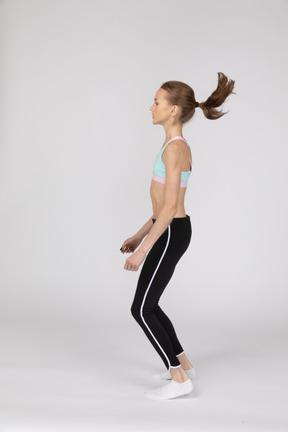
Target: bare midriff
[157,189]
[157,197]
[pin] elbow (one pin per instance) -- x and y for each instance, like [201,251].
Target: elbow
[170,209]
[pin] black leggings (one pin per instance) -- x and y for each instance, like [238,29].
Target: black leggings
[156,272]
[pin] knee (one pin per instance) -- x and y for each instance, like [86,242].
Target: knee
[139,313]
[135,311]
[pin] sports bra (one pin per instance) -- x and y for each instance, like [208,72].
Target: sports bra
[159,170]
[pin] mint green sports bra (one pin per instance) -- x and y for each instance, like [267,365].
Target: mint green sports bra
[159,170]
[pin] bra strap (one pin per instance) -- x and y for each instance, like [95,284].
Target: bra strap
[177,137]
[172,139]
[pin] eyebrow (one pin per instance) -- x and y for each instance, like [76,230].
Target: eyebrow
[156,99]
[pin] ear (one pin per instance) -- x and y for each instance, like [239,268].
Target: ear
[175,110]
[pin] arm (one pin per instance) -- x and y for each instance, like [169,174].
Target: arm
[133,242]
[164,219]
[144,230]
[171,193]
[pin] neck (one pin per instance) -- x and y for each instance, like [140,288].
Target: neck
[173,130]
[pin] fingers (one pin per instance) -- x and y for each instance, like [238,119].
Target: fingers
[131,268]
[126,249]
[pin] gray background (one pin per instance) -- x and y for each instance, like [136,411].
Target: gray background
[76,158]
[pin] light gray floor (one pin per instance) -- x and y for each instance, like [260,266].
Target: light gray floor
[88,378]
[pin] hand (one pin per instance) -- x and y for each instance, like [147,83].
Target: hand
[130,245]
[134,261]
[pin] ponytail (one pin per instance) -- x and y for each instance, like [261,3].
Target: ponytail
[183,95]
[224,89]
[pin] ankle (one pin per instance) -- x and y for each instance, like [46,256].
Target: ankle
[186,366]
[185,363]
[178,375]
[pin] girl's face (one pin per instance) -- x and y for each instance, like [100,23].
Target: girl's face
[161,110]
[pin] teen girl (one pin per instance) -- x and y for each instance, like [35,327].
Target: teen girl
[168,231]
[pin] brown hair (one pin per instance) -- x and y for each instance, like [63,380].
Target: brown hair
[182,94]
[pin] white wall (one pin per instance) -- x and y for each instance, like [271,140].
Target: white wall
[78,147]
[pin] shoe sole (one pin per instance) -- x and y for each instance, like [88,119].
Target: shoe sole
[168,398]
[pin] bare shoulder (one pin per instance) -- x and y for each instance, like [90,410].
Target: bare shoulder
[172,154]
[178,153]
[174,149]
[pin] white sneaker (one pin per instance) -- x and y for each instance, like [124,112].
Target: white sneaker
[167,375]
[171,390]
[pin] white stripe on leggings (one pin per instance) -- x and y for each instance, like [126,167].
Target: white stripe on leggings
[141,309]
